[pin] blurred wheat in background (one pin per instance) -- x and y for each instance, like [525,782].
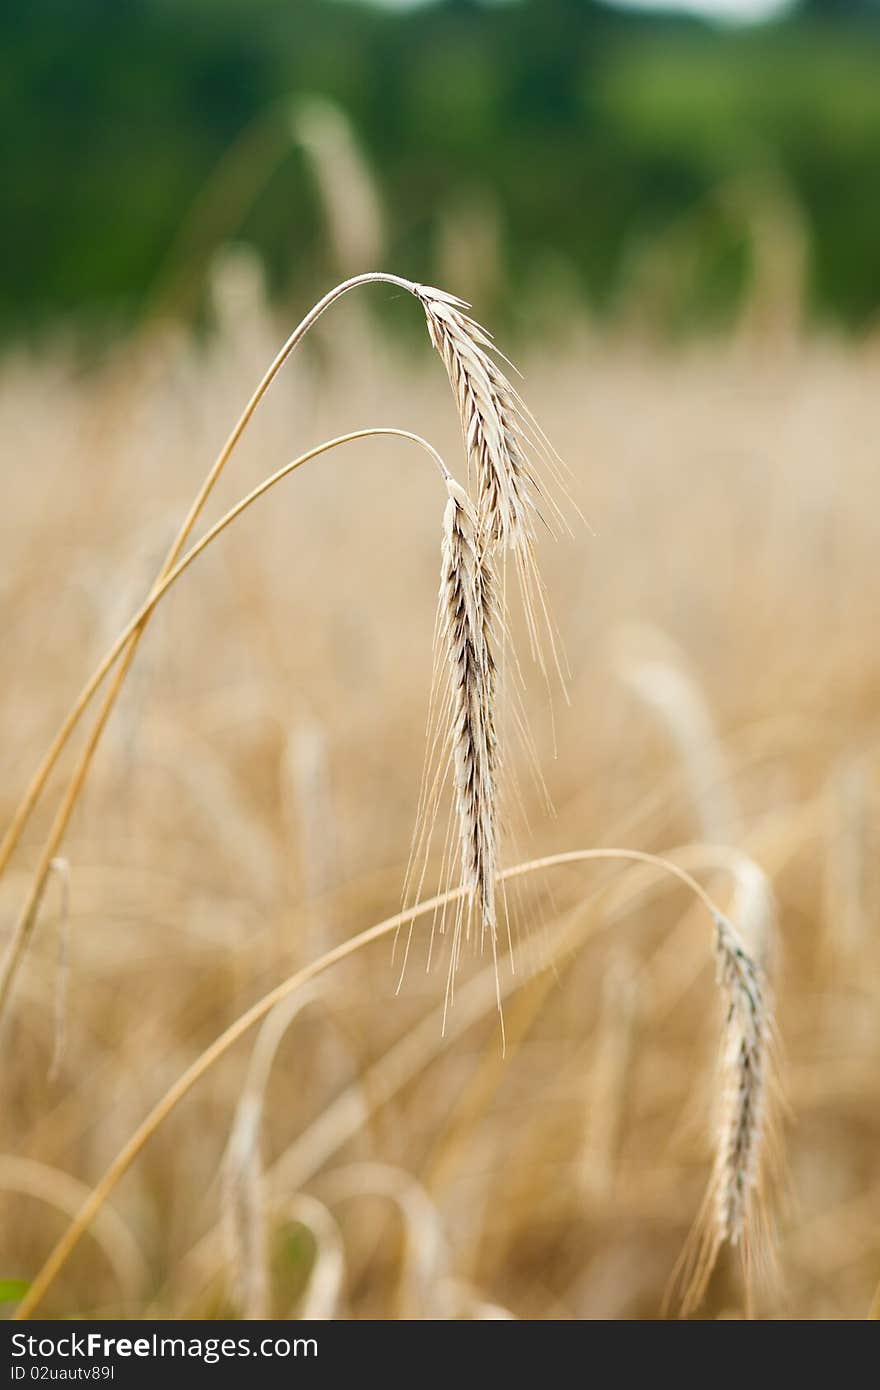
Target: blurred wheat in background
[686,1111]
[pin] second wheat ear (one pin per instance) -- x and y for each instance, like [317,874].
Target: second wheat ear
[468,621]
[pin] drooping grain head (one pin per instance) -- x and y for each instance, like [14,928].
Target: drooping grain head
[736,1210]
[501,439]
[745,1067]
[467,622]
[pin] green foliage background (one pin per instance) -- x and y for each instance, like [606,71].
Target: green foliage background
[595,132]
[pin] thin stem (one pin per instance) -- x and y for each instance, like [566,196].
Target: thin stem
[41,776]
[194,1073]
[27,918]
[353,1107]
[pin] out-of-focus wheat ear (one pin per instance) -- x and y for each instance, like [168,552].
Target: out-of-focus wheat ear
[353,209]
[322,1297]
[28,1178]
[467,1303]
[656,671]
[610,1077]
[307,804]
[243,1197]
[467,606]
[244,1213]
[425,1263]
[736,1211]
[850,880]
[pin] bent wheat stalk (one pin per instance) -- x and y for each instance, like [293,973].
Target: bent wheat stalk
[40,1182]
[509,420]
[407,1058]
[40,777]
[324,1292]
[505,502]
[122,647]
[68,1242]
[734,1212]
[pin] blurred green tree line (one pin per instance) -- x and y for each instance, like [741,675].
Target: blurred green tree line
[585,137]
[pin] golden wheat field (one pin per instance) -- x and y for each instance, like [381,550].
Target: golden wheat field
[252,803]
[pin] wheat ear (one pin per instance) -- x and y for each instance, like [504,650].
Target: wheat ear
[502,440]
[243,1187]
[734,1213]
[467,616]
[745,1069]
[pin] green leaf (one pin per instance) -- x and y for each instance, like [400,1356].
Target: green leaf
[11,1290]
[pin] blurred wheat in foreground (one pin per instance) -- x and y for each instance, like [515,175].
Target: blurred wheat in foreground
[352,1157]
